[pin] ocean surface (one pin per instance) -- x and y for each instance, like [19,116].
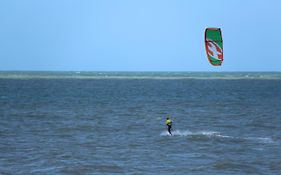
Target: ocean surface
[92,123]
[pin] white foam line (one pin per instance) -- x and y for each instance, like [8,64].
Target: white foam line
[189,133]
[215,134]
[261,139]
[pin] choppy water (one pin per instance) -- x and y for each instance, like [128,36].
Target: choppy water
[113,123]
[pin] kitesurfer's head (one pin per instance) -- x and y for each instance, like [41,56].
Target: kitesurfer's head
[167,118]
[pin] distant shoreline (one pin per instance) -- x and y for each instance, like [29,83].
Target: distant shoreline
[169,75]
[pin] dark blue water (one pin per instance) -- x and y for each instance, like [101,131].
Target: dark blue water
[117,125]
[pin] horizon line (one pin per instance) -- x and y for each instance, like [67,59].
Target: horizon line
[128,71]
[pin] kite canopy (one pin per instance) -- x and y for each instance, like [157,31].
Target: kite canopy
[213,45]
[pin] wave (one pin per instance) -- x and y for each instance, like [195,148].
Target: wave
[261,139]
[214,134]
[189,133]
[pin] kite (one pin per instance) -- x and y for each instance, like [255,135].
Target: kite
[213,45]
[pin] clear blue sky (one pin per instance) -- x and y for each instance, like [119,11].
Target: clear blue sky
[138,35]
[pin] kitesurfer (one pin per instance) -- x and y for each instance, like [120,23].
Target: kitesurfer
[169,125]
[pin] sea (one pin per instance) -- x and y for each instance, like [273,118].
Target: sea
[92,123]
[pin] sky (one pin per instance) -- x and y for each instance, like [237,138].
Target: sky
[137,35]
